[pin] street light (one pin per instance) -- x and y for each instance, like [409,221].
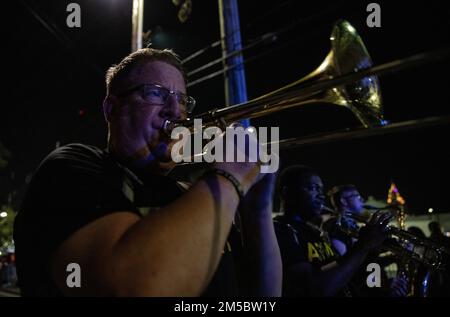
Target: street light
[430,210]
[3,214]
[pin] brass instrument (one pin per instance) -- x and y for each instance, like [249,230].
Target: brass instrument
[345,78]
[405,245]
[348,54]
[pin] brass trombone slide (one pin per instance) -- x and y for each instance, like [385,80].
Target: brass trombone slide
[323,138]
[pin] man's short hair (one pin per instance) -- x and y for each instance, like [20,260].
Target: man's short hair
[117,75]
[417,232]
[293,175]
[434,226]
[336,193]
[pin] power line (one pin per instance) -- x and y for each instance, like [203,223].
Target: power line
[247,60]
[253,43]
[217,43]
[329,10]
[200,51]
[270,35]
[52,28]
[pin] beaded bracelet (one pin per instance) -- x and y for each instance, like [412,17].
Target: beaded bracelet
[236,184]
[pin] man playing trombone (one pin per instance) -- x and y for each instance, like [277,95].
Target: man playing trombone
[89,208]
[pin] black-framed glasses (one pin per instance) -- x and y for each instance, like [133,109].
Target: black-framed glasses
[313,187]
[358,196]
[157,95]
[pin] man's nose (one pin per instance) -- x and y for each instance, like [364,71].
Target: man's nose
[171,110]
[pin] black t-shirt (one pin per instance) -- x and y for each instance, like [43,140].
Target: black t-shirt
[341,232]
[301,242]
[75,185]
[358,284]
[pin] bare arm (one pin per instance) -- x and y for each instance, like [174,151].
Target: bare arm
[340,246]
[172,252]
[262,267]
[330,278]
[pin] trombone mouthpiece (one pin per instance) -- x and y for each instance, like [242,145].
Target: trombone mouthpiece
[387,207]
[369,207]
[168,127]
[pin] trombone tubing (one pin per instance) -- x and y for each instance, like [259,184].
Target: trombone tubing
[298,142]
[262,105]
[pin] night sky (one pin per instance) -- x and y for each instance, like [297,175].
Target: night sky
[55,83]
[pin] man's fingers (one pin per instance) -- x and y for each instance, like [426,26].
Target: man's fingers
[384,217]
[404,283]
[380,218]
[400,285]
[403,289]
[375,218]
[385,223]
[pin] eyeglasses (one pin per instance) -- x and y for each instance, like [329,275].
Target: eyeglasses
[313,188]
[357,196]
[158,95]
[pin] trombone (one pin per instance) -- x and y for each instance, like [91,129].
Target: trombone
[345,78]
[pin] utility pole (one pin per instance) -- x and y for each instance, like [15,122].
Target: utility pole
[137,25]
[230,34]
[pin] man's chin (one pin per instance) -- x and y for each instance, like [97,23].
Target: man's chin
[166,167]
[164,158]
[158,156]
[158,165]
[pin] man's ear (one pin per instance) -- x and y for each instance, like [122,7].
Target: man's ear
[284,192]
[109,105]
[343,201]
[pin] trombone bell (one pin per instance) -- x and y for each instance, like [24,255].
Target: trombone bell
[348,54]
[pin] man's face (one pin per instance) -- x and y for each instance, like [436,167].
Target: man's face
[308,197]
[136,125]
[353,201]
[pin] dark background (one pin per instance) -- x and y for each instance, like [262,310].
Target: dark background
[55,83]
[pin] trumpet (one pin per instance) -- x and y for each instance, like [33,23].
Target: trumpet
[403,244]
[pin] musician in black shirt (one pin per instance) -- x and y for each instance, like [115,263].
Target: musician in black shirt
[347,201]
[311,265]
[132,230]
